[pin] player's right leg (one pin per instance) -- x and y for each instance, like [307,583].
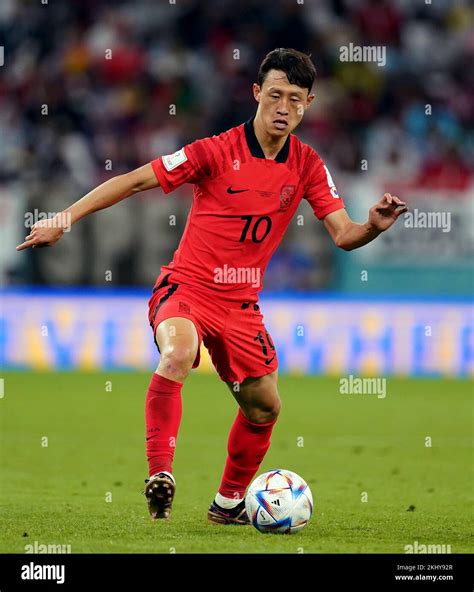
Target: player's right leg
[178,342]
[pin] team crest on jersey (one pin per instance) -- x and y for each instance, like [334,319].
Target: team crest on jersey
[287,193]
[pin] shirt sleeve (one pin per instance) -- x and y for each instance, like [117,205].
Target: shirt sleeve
[191,164]
[321,191]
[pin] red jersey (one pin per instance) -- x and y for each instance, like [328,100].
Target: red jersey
[242,205]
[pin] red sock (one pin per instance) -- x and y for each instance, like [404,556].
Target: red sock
[247,445]
[162,415]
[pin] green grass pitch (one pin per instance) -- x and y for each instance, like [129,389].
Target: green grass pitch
[73,463]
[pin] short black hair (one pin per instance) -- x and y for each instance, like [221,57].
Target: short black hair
[298,67]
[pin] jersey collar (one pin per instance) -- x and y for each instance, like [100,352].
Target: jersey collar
[256,149]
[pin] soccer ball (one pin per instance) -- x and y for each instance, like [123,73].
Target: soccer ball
[279,501]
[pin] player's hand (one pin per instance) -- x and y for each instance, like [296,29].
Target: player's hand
[386,211]
[44,233]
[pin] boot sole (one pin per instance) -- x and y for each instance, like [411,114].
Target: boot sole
[160,494]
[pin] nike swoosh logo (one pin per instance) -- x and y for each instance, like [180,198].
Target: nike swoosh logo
[230,190]
[269,361]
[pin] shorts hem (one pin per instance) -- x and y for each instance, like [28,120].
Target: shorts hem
[258,375]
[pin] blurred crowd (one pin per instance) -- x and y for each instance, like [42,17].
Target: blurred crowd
[94,88]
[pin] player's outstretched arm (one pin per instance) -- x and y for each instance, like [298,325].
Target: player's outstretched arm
[349,235]
[47,232]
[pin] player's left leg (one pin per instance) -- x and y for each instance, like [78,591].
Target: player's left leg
[258,398]
[249,440]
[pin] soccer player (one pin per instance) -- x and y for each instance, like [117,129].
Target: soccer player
[248,183]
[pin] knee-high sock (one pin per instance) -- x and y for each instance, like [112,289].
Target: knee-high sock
[163,410]
[247,445]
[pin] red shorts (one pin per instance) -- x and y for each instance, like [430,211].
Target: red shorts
[236,339]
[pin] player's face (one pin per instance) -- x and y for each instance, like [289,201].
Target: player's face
[281,104]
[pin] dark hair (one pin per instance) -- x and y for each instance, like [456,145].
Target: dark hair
[297,66]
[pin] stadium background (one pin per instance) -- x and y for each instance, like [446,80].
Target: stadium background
[92,89]
[386,472]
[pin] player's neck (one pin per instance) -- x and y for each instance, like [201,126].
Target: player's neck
[270,145]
